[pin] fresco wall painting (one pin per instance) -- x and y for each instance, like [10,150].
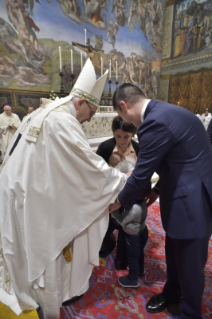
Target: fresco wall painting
[192,27]
[191,46]
[128,32]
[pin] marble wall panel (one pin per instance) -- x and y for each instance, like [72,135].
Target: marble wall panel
[99,126]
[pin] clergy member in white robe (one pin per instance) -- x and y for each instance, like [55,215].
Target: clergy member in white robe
[205,118]
[54,194]
[9,122]
[29,111]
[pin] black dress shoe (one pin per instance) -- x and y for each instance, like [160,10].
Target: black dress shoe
[71,301]
[158,303]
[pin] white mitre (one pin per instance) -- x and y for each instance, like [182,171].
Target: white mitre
[86,87]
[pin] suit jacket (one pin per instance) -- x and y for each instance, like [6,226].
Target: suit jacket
[209,131]
[175,145]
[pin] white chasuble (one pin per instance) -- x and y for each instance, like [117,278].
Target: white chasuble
[53,193]
[6,134]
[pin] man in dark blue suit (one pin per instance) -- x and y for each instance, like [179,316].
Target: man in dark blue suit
[209,131]
[173,143]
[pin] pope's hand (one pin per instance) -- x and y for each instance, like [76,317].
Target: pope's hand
[112,207]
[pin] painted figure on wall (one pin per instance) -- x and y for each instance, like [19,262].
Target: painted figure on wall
[93,12]
[112,32]
[30,4]
[98,41]
[9,38]
[192,24]
[71,9]
[25,26]
[119,8]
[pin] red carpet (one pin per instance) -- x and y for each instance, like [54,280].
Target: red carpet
[107,300]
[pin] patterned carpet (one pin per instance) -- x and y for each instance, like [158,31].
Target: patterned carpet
[107,300]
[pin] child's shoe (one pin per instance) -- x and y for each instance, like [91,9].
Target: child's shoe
[125,282]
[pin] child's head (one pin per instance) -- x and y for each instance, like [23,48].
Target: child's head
[122,131]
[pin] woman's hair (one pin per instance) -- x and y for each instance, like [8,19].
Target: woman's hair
[118,123]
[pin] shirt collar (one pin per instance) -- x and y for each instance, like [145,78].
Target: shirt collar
[144,109]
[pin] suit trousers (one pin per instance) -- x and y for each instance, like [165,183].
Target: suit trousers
[186,259]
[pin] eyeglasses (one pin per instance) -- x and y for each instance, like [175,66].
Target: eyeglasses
[92,112]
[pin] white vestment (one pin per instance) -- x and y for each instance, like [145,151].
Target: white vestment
[24,117]
[53,192]
[206,120]
[6,134]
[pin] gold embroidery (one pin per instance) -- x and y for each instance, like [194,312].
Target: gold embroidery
[34,131]
[67,253]
[7,281]
[86,96]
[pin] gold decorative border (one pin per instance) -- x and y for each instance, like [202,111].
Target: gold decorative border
[25,92]
[34,131]
[86,96]
[15,92]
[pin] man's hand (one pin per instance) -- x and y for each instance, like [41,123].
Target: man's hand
[151,197]
[112,207]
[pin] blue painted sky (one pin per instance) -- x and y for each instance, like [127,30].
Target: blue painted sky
[55,25]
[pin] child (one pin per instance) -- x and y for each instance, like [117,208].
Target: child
[136,236]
